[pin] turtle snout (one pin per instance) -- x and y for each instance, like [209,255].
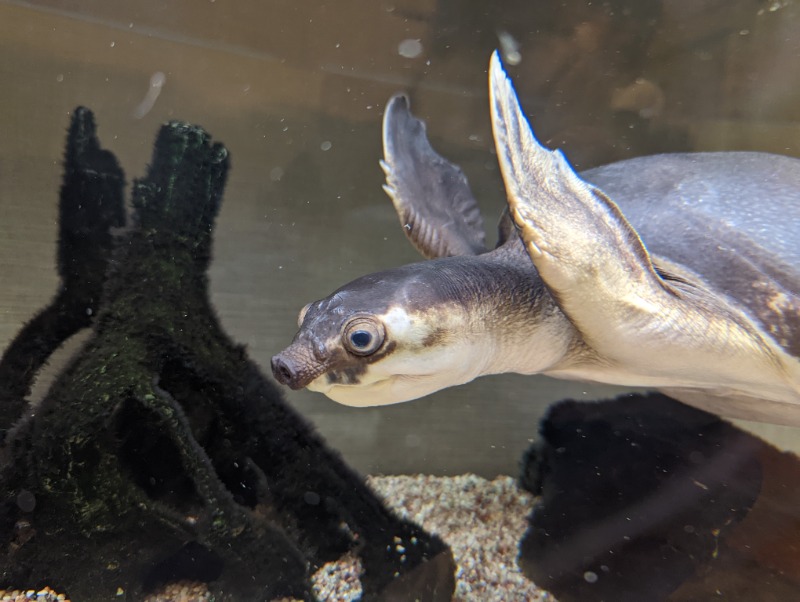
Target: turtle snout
[294,367]
[286,371]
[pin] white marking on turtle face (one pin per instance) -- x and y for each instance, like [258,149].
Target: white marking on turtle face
[402,327]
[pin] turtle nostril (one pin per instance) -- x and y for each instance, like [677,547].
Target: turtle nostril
[282,371]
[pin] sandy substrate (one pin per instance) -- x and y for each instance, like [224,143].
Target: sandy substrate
[482,521]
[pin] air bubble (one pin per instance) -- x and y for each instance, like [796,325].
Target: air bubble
[410,48]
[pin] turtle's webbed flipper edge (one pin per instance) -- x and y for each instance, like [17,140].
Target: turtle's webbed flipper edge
[575,235]
[438,213]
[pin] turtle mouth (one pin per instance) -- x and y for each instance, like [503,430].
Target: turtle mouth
[296,368]
[379,391]
[375,393]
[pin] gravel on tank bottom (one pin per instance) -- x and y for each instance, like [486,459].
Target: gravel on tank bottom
[482,521]
[42,595]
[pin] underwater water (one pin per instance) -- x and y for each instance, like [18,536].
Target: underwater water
[295,91]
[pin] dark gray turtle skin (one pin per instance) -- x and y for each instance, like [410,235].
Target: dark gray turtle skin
[677,272]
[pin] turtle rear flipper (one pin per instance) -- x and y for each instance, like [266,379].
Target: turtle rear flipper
[436,207]
[643,329]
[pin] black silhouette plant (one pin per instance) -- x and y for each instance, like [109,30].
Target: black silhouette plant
[162,452]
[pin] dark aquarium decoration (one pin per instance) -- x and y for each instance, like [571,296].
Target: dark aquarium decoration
[162,452]
[644,498]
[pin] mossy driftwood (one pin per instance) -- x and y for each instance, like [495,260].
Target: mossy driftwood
[162,452]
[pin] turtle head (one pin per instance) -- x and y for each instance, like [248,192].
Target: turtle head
[384,338]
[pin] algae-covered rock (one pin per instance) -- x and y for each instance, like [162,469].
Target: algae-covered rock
[162,452]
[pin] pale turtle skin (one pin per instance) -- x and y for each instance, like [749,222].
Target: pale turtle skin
[675,272]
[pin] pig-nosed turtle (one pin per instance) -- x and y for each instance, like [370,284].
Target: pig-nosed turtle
[678,272]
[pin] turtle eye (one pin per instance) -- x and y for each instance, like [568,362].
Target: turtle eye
[363,336]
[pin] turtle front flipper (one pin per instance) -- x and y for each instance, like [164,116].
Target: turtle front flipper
[438,213]
[643,327]
[576,236]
